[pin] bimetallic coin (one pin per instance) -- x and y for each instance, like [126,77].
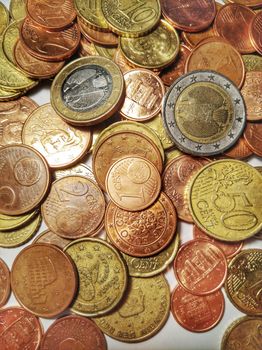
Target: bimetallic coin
[253,137]
[102,276]
[142,313]
[17,9]
[49,237]
[204,113]
[255,32]
[10,37]
[5,287]
[79,169]
[252,63]
[243,284]
[252,94]
[88,90]
[225,200]
[91,14]
[8,223]
[4,18]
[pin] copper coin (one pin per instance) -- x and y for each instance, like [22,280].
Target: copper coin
[86,48]
[24,179]
[44,280]
[252,93]
[49,46]
[240,150]
[33,67]
[122,63]
[256,32]
[176,69]
[52,15]
[232,22]
[73,333]
[176,182]
[250,3]
[193,39]
[19,329]
[4,284]
[133,183]
[200,267]
[50,237]
[142,233]
[13,114]
[77,198]
[218,55]
[229,249]
[253,137]
[188,15]
[144,94]
[197,313]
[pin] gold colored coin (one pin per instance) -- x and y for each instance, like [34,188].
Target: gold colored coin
[8,95]
[4,18]
[155,50]
[252,63]
[17,9]
[15,238]
[141,314]
[107,52]
[172,154]
[79,169]
[10,37]
[91,14]
[243,283]
[8,223]
[131,19]
[225,200]
[102,276]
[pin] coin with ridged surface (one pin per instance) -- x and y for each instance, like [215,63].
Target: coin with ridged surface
[8,222]
[4,18]
[91,14]
[5,287]
[252,62]
[10,37]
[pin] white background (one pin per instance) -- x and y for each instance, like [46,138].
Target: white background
[172,336]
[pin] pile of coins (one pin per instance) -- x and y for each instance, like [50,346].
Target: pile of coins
[165,103]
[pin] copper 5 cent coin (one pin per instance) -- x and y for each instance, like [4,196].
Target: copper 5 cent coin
[200,267]
[44,280]
[24,179]
[19,329]
[253,136]
[4,283]
[73,333]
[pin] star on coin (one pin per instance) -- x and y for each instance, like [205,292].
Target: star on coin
[216,145]
[227,86]
[239,119]
[178,88]
[193,78]
[237,101]
[211,77]
[171,124]
[231,135]
[182,139]
[198,147]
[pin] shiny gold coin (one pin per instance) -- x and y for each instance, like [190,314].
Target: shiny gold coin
[141,314]
[9,95]
[225,200]
[8,223]
[79,169]
[88,90]
[131,19]
[15,238]
[17,9]
[155,50]
[102,276]
[243,283]
[172,154]
[252,63]
[91,14]
[10,37]
[107,52]
[4,18]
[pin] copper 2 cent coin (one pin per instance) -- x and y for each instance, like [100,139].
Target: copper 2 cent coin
[5,288]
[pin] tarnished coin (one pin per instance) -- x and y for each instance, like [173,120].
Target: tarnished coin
[50,237]
[5,287]
[193,39]
[4,18]
[252,63]
[19,328]
[102,276]
[62,145]
[91,14]
[200,267]
[79,169]
[133,183]
[24,179]
[74,333]
[225,200]
[17,9]
[43,279]
[252,93]
[240,150]
[204,113]
[10,37]
[197,313]
[77,198]
[142,313]
[88,90]
[253,137]
[243,284]
[8,223]
[255,32]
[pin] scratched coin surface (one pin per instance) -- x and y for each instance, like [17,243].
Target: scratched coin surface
[39,283]
[74,333]
[225,200]
[204,113]
[5,288]
[24,179]
[243,284]
[77,198]
[255,32]
[50,237]
[133,183]
[102,276]
[61,144]
[197,313]
[4,18]
[252,93]
[200,267]
[253,137]
[19,328]
[142,313]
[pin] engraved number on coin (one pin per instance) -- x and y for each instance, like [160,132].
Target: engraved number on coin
[137,12]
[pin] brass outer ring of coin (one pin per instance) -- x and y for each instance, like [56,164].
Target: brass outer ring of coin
[90,117]
[182,142]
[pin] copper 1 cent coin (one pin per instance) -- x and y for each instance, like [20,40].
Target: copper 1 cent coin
[74,208]
[252,93]
[19,329]
[176,182]
[232,23]
[218,55]
[188,15]
[228,248]
[50,237]
[24,179]
[47,45]
[197,313]
[253,136]
[142,233]
[13,114]
[54,15]
[240,150]
[256,32]
[200,267]
[144,94]
[44,280]
[73,333]
[4,283]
